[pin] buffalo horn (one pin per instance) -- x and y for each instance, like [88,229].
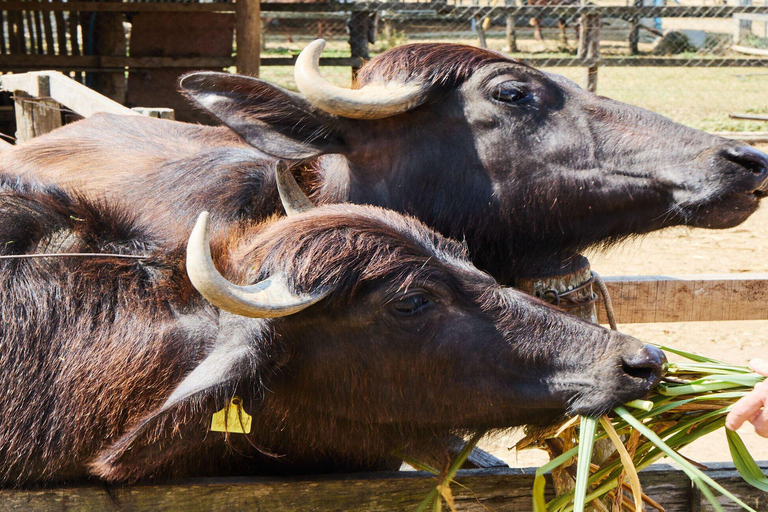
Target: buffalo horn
[293,198]
[269,298]
[374,101]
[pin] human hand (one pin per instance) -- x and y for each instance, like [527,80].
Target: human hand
[753,407]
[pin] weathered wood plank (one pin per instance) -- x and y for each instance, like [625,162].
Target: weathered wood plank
[752,137]
[38,115]
[507,489]
[61,33]
[691,298]
[108,63]
[3,48]
[21,5]
[729,479]
[65,91]
[35,117]
[158,113]
[749,50]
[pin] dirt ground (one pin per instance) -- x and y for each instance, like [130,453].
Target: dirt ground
[686,251]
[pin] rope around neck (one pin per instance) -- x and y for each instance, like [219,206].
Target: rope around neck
[606,300]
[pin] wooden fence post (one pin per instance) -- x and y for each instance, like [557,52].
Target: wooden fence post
[362,31]
[110,39]
[634,31]
[36,116]
[480,30]
[575,274]
[156,112]
[248,36]
[589,46]
[511,36]
[546,284]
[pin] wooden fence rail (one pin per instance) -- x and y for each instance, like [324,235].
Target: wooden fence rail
[500,490]
[688,298]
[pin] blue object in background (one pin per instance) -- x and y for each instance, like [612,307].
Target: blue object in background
[657,21]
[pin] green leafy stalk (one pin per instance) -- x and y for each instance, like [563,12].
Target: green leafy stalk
[586,443]
[745,464]
[696,475]
[689,355]
[645,405]
[539,504]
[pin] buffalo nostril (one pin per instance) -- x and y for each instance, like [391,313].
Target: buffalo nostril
[748,157]
[646,364]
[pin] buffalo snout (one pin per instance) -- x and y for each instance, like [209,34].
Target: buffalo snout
[644,367]
[752,162]
[627,370]
[637,369]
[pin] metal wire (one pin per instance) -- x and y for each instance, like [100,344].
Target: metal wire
[73,255]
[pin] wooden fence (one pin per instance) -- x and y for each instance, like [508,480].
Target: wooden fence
[481,490]
[40,98]
[53,41]
[639,299]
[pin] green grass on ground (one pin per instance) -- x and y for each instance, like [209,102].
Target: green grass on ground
[698,97]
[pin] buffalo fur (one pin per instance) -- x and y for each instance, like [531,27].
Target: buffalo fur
[113,367]
[525,181]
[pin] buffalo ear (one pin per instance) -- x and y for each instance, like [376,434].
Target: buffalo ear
[273,120]
[168,433]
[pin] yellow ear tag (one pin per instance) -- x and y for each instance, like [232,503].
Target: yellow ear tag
[232,418]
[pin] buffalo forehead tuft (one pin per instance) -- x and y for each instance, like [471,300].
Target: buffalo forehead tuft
[346,247]
[441,66]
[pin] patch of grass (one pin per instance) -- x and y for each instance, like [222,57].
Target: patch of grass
[698,97]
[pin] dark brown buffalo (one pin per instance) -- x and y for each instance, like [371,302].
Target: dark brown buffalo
[522,164]
[358,331]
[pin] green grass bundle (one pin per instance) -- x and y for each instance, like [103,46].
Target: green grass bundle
[693,401]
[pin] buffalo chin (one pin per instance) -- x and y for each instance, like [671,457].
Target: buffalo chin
[725,211]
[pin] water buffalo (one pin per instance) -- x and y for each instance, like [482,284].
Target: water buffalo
[522,164]
[347,331]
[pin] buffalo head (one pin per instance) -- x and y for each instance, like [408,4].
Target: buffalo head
[353,331]
[514,160]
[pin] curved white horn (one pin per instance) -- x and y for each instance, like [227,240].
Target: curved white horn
[372,101]
[269,298]
[294,199]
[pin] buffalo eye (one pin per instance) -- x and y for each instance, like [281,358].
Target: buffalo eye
[509,93]
[411,305]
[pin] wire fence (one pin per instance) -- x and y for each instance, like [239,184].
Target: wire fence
[544,33]
[694,60]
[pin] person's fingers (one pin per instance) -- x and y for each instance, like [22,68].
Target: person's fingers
[747,406]
[761,423]
[759,366]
